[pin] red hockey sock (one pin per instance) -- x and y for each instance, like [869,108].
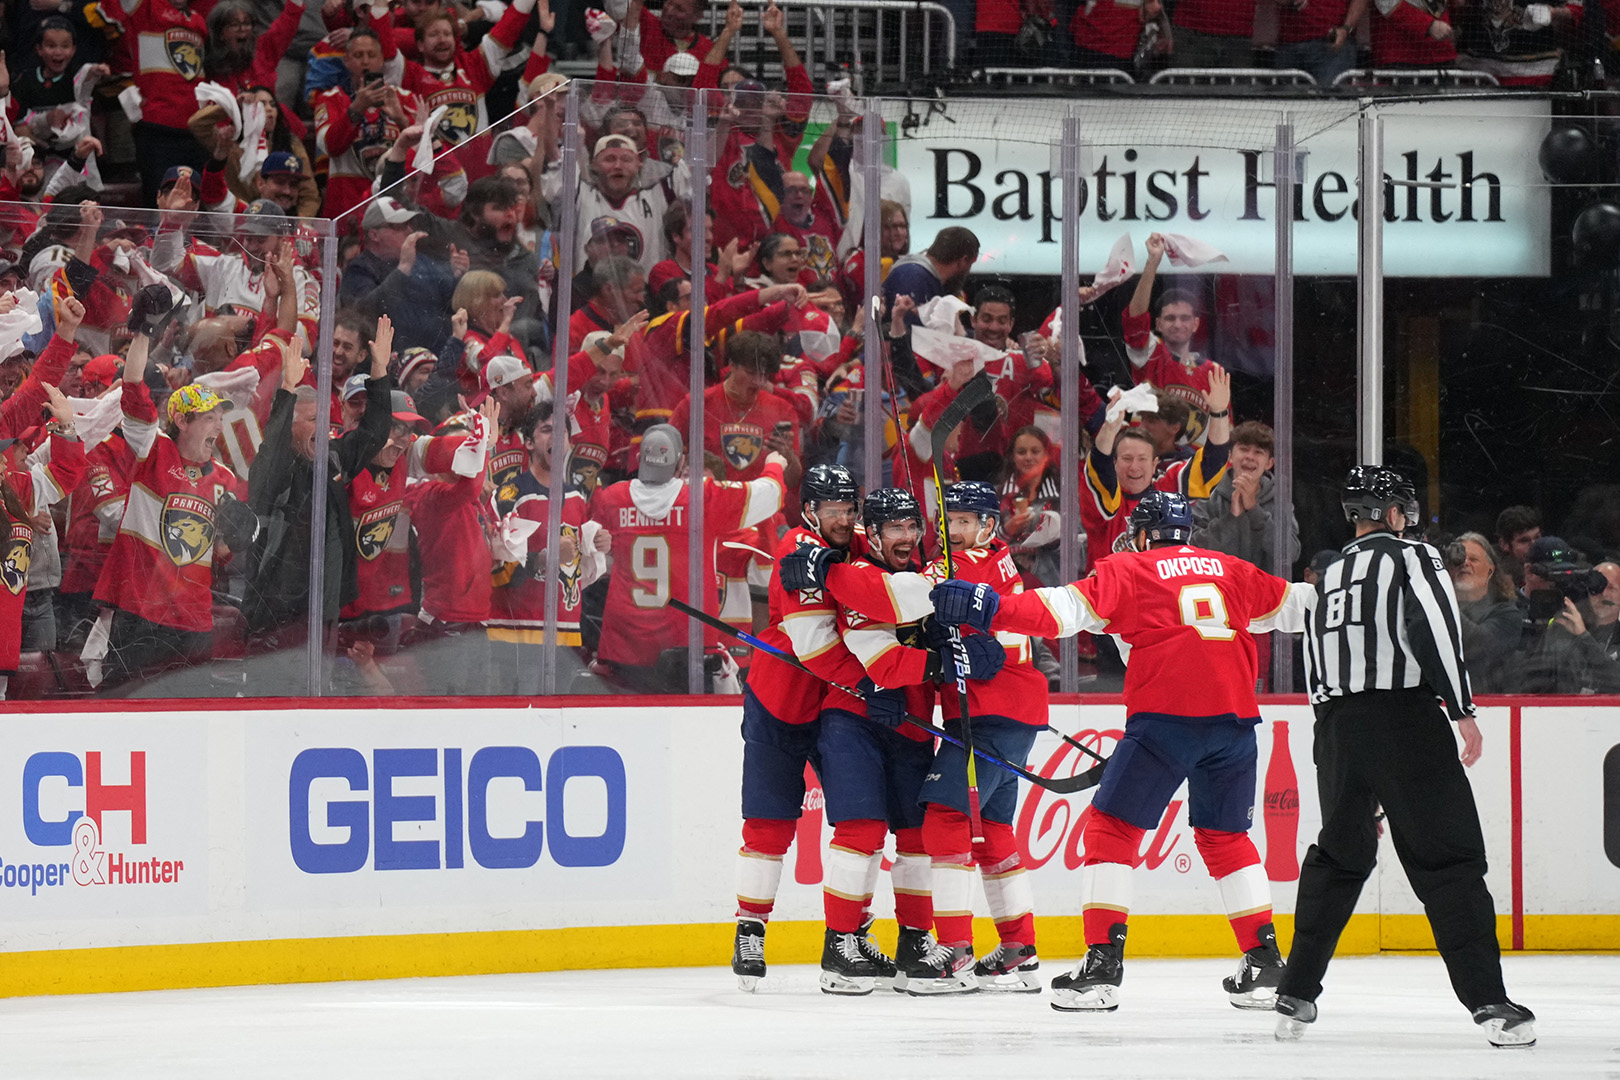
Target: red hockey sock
[912,878]
[1245,893]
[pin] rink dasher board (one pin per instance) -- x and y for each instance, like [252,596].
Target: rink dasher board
[212,845]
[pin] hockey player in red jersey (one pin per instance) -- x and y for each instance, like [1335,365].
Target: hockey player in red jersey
[782,708]
[1007,711]
[874,766]
[651,534]
[1182,613]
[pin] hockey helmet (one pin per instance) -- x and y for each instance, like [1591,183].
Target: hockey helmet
[1370,491]
[828,483]
[1163,515]
[972,497]
[889,504]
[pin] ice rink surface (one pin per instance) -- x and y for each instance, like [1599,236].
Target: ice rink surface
[1382,1017]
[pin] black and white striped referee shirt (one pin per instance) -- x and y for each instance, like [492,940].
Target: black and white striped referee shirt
[1386,618]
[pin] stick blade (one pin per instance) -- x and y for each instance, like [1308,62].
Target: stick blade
[975,392]
[1069,785]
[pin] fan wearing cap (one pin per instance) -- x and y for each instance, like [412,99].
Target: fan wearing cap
[447,511]
[38,468]
[614,193]
[379,546]
[760,145]
[457,78]
[355,132]
[237,275]
[391,275]
[517,611]
[647,517]
[283,178]
[511,387]
[608,237]
[593,437]
[158,580]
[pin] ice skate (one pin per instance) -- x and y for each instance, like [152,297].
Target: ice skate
[886,970]
[942,969]
[1011,968]
[1507,1026]
[843,969]
[909,951]
[1093,985]
[1255,984]
[748,954]
[1292,1016]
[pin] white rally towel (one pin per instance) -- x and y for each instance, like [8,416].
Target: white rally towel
[423,161]
[20,322]
[1185,251]
[511,540]
[944,314]
[130,99]
[255,145]
[945,351]
[1139,398]
[95,418]
[1119,268]
[212,93]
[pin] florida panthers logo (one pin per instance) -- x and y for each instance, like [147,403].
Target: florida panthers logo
[571,571]
[460,121]
[584,472]
[187,528]
[185,51]
[372,535]
[19,557]
[503,473]
[742,448]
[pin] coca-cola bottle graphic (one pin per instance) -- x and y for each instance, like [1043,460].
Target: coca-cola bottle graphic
[1282,809]
[807,841]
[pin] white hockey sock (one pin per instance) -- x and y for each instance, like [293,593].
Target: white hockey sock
[953,889]
[758,877]
[1008,894]
[1245,892]
[873,869]
[846,873]
[1105,891]
[911,875]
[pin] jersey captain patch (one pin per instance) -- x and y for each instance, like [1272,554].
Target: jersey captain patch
[188,528]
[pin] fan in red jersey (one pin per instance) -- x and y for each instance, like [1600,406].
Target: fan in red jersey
[782,708]
[651,538]
[743,421]
[181,514]
[1165,358]
[1185,617]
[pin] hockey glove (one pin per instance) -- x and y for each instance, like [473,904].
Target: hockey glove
[887,707]
[148,309]
[806,567]
[984,657]
[961,603]
[238,524]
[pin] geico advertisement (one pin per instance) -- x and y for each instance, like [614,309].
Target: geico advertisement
[461,806]
[1465,196]
[107,818]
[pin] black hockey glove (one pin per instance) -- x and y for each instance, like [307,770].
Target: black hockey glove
[962,603]
[806,566]
[238,525]
[887,707]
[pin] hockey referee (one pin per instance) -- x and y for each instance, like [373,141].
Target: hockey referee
[1384,662]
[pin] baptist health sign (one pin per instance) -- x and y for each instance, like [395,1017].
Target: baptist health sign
[1482,211]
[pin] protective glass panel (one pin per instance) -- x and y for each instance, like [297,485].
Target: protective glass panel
[160,422]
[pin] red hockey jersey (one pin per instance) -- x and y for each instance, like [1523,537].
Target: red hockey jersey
[739,440]
[806,625]
[519,599]
[876,643]
[168,50]
[650,551]
[382,539]
[1153,362]
[1183,617]
[161,566]
[1018,692]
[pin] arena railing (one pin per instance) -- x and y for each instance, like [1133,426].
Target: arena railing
[878,42]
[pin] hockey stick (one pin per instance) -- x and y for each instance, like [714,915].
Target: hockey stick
[1058,785]
[975,392]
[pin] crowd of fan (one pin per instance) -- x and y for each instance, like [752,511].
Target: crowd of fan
[160,418]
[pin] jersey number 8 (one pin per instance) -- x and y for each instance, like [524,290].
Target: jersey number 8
[1204,609]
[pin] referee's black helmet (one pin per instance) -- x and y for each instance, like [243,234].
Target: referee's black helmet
[1371,490]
